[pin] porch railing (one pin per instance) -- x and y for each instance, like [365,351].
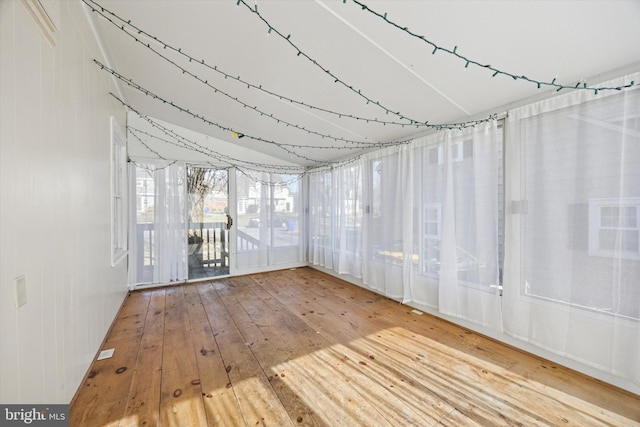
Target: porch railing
[208,245]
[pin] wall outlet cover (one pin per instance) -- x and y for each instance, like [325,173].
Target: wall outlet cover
[21,291]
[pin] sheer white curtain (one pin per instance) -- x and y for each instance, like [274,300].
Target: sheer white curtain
[336,218]
[392,258]
[253,232]
[321,214]
[159,227]
[468,246]
[417,222]
[348,214]
[269,221]
[572,267]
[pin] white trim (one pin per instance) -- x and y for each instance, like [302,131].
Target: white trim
[43,20]
[119,187]
[595,227]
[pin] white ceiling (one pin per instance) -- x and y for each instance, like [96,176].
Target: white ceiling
[543,40]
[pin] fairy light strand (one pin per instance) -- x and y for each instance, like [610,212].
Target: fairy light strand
[100,10]
[244,104]
[129,128]
[297,174]
[283,146]
[152,168]
[134,132]
[194,146]
[297,171]
[207,152]
[336,79]
[495,71]
[318,166]
[136,86]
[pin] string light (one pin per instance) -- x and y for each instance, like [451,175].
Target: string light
[296,172]
[204,119]
[283,146]
[152,168]
[188,144]
[245,172]
[134,132]
[215,68]
[143,143]
[336,79]
[102,12]
[240,165]
[318,165]
[496,71]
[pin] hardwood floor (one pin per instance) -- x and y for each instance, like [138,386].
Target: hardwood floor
[298,347]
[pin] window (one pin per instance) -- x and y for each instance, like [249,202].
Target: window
[614,228]
[460,150]
[118,194]
[430,249]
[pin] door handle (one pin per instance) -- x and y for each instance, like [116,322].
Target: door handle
[229,222]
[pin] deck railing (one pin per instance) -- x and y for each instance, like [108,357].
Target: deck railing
[208,244]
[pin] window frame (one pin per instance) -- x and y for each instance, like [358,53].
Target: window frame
[428,239]
[595,226]
[118,181]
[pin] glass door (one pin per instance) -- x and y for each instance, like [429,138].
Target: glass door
[209,222]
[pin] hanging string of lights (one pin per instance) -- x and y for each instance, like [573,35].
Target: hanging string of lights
[282,146]
[496,72]
[250,174]
[246,172]
[127,23]
[240,165]
[336,79]
[244,104]
[100,10]
[132,132]
[294,172]
[297,172]
[183,142]
[186,143]
[151,168]
[459,125]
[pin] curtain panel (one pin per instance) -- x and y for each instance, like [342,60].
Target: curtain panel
[551,219]
[572,267]
[418,222]
[268,225]
[158,223]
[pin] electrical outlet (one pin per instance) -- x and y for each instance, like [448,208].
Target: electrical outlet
[21,291]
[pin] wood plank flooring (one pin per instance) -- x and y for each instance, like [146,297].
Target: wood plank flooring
[302,348]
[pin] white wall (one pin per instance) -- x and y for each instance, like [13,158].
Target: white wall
[54,204]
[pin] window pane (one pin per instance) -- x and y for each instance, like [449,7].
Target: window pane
[583,191]
[630,241]
[630,219]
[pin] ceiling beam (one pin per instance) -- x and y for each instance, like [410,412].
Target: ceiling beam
[390,55]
